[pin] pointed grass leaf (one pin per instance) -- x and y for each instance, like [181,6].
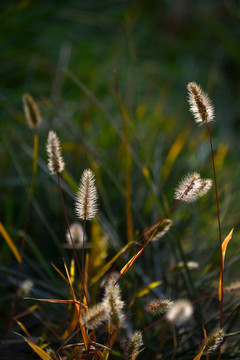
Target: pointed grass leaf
[10,243]
[224,249]
[148,288]
[23,328]
[41,353]
[199,355]
[109,264]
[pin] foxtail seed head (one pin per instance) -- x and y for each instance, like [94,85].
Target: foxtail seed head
[134,344]
[86,199]
[165,226]
[213,342]
[200,104]
[113,301]
[180,312]
[55,160]
[192,187]
[158,306]
[95,316]
[76,231]
[31,111]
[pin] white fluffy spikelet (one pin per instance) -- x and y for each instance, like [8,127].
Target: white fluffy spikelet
[95,316]
[134,344]
[113,301]
[200,104]
[213,341]
[192,187]
[165,226]
[188,187]
[206,185]
[76,231]
[55,160]
[158,306]
[31,111]
[86,199]
[180,312]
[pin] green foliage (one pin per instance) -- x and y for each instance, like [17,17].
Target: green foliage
[65,55]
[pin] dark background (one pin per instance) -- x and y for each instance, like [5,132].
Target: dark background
[156,48]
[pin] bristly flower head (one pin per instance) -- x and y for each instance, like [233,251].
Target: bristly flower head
[200,104]
[134,344]
[213,342]
[55,160]
[165,226]
[86,199]
[31,111]
[113,301]
[158,306]
[95,316]
[179,312]
[192,187]
[77,235]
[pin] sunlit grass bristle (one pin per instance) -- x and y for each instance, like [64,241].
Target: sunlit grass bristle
[213,341]
[179,312]
[55,159]
[31,111]
[200,104]
[158,306]
[134,344]
[86,199]
[113,301]
[96,316]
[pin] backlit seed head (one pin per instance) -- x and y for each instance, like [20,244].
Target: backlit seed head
[188,187]
[206,185]
[166,224]
[192,187]
[158,306]
[113,301]
[31,111]
[134,344]
[180,312]
[200,104]
[55,160]
[86,199]
[77,235]
[25,288]
[95,316]
[213,342]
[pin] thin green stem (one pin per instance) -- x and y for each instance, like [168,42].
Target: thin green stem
[220,236]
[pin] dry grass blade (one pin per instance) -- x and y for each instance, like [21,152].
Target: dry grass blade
[83,330]
[56,301]
[10,243]
[224,249]
[41,353]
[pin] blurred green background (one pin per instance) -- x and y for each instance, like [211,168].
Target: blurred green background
[65,53]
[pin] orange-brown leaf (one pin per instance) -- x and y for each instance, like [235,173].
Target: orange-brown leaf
[224,249]
[10,243]
[41,353]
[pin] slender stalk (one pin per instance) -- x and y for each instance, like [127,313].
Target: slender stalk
[219,230]
[136,256]
[125,121]
[83,245]
[69,231]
